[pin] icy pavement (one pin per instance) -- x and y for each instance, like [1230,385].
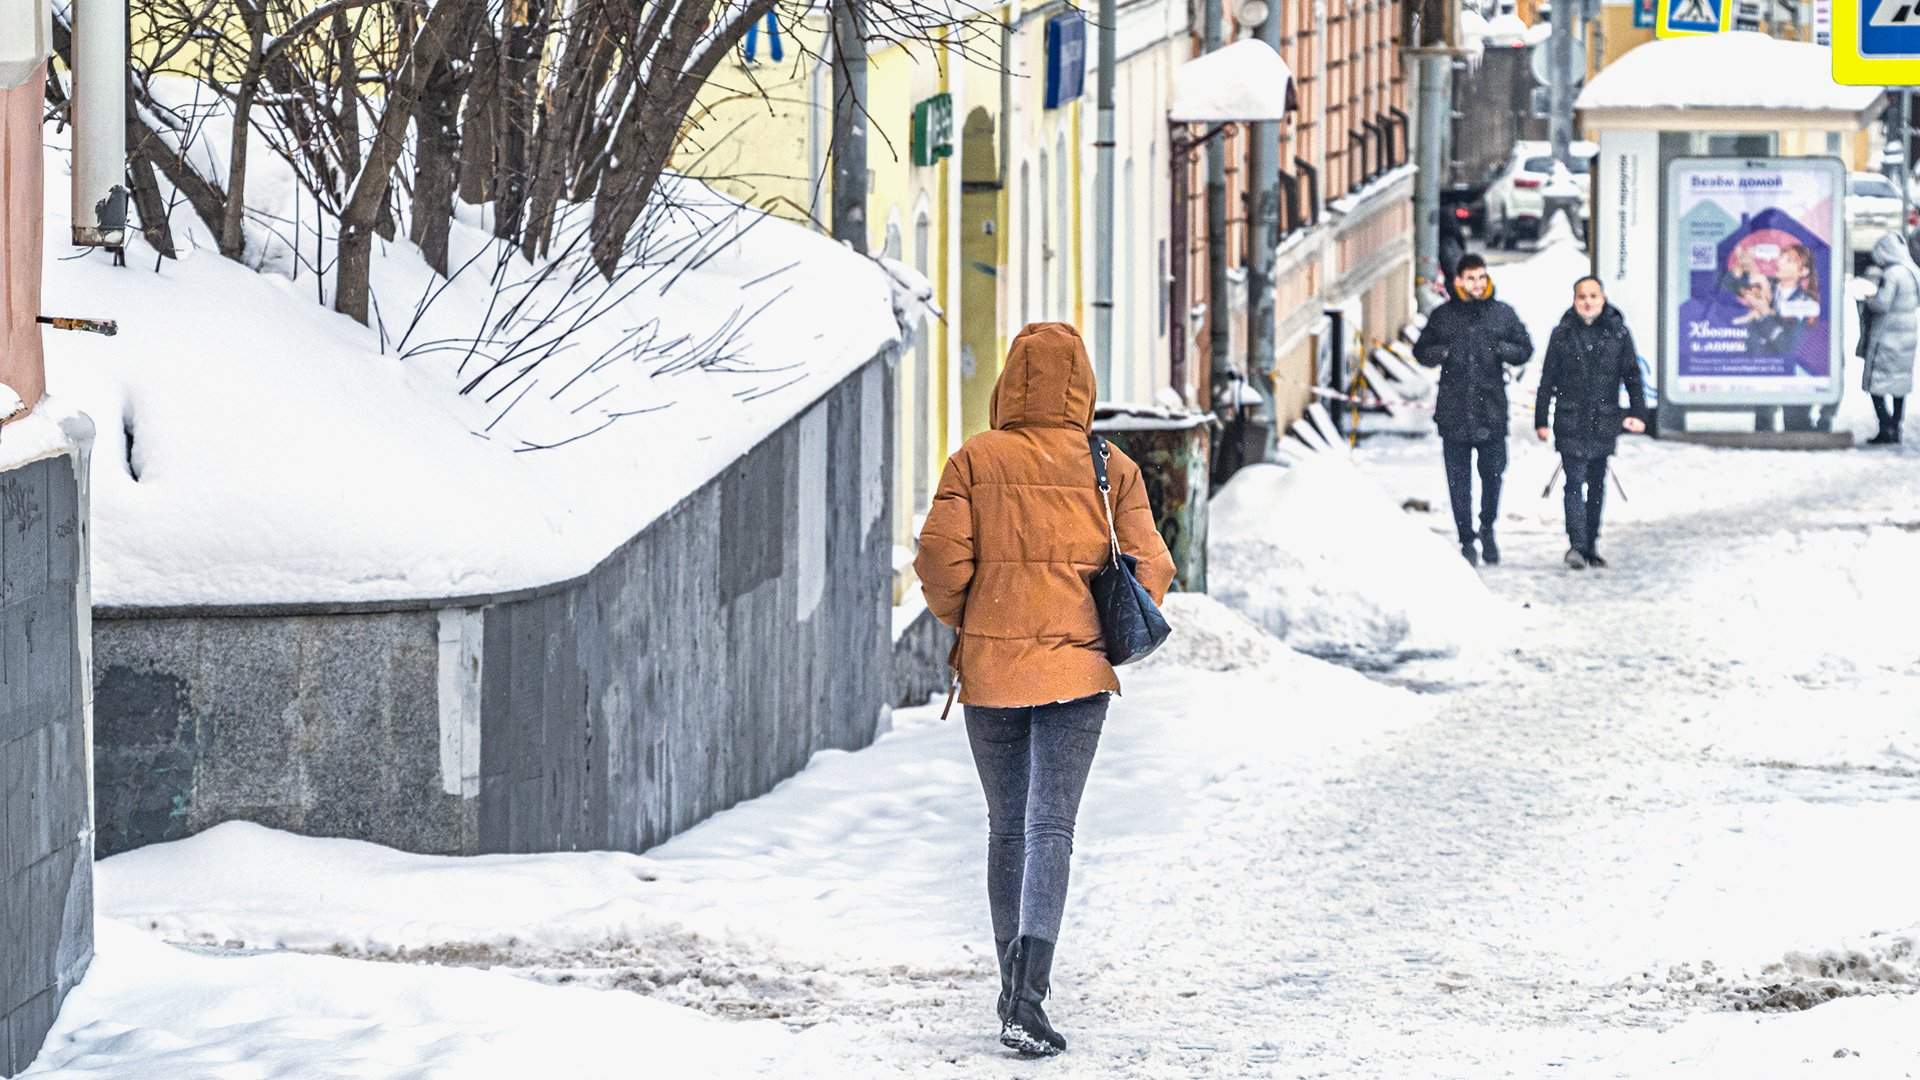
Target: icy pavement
[1680,789]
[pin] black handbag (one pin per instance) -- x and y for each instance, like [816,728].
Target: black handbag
[1131,625]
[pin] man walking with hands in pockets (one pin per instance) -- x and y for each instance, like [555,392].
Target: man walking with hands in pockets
[1589,358]
[1472,339]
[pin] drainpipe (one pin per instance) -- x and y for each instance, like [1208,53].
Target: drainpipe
[1560,85]
[1262,247]
[1103,205]
[849,126]
[1219,315]
[99,110]
[1436,69]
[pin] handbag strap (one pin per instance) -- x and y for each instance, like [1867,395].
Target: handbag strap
[1098,447]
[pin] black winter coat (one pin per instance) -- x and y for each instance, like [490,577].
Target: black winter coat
[1470,341]
[1587,363]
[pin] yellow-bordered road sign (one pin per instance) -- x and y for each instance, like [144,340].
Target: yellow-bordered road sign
[1876,42]
[1683,18]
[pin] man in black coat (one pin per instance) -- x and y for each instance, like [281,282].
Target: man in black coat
[1589,358]
[1472,339]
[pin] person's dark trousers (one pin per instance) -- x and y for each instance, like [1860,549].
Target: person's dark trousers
[1586,496]
[1460,457]
[1033,766]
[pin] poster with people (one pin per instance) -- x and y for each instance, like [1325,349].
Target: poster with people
[1754,288]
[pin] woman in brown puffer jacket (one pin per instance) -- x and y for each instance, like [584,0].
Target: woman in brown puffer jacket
[1016,531]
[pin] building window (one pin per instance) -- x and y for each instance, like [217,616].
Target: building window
[1026,243]
[1120,382]
[1063,213]
[1045,263]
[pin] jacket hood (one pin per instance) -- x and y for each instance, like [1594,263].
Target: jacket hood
[1048,381]
[1890,250]
[1453,287]
[1609,317]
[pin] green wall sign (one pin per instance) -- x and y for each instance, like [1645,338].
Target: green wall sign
[933,130]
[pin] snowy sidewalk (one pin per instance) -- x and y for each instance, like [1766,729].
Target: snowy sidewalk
[1282,869]
[1682,786]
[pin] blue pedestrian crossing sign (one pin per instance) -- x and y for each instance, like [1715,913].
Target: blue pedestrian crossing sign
[1876,42]
[1684,18]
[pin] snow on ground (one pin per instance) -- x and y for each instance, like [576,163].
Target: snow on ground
[1670,812]
[149,1011]
[256,447]
[1320,556]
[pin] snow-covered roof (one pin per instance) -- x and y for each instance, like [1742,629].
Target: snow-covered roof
[1506,29]
[1243,81]
[1738,70]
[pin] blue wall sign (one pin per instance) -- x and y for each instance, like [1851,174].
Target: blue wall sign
[1066,58]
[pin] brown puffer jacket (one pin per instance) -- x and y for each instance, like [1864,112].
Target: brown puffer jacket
[1017,530]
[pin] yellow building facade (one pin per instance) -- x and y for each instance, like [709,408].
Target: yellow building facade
[1001,224]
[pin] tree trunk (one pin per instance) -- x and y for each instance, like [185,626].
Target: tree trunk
[435,166]
[431,46]
[519,99]
[480,122]
[650,129]
[559,123]
[348,135]
[146,199]
[233,221]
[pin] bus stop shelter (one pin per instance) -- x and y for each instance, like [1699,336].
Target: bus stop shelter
[1736,103]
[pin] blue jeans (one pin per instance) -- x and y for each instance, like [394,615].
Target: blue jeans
[1586,496]
[1033,765]
[1460,459]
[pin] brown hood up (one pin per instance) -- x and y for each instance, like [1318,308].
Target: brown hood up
[1047,383]
[1018,528]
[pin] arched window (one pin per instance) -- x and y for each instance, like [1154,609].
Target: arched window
[923,363]
[1045,263]
[1063,258]
[1026,245]
[1127,249]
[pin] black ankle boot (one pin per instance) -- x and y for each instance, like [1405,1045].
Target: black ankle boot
[1489,550]
[1004,951]
[1026,1028]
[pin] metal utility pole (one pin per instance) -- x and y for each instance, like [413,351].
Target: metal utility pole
[1263,244]
[1436,103]
[1560,88]
[1219,328]
[1905,105]
[849,146]
[1103,204]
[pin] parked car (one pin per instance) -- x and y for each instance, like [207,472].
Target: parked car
[1517,198]
[1532,187]
[1873,208]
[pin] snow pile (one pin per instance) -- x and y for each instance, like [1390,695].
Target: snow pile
[1736,70]
[1320,556]
[1243,81]
[149,1010]
[1209,636]
[244,885]
[53,427]
[1507,30]
[504,429]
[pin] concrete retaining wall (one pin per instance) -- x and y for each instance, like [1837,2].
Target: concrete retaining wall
[46,843]
[697,666]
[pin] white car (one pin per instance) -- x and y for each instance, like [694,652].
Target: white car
[1531,187]
[1517,198]
[1873,208]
